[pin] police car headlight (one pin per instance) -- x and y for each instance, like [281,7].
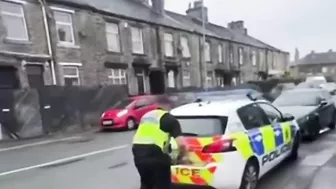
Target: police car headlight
[122,113]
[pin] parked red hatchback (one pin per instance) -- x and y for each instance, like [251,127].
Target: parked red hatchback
[126,114]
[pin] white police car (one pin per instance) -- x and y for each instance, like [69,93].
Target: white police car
[232,143]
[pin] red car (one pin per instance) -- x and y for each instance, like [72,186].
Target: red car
[126,114]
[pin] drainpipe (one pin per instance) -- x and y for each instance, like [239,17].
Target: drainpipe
[47,31]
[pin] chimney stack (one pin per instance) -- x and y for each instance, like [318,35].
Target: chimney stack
[330,50]
[158,6]
[238,26]
[195,11]
[297,55]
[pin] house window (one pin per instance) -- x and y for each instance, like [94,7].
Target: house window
[185,47]
[186,79]
[13,19]
[112,36]
[137,40]
[209,79]
[240,56]
[324,69]
[254,58]
[231,56]
[169,44]
[118,77]
[261,57]
[71,75]
[171,79]
[207,52]
[64,27]
[220,53]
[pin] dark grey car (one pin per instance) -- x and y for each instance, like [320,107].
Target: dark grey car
[313,109]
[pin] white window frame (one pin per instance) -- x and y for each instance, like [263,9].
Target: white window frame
[122,75]
[185,45]
[220,53]
[22,16]
[71,65]
[207,52]
[241,55]
[71,13]
[169,42]
[186,78]
[324,69]
[231,56]
[137,40]
[116,33]
[254,58]
[209,80]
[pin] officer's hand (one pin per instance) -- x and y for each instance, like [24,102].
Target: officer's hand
[185,160]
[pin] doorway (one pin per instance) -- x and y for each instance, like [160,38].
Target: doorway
[9,78]
[141,80]
[156,81]
[35,76]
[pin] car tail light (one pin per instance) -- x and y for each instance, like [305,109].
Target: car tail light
[220,146]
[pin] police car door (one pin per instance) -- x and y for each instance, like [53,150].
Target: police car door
[280,131]
[258,129]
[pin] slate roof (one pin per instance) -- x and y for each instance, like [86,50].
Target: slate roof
[318,58]
[138,11]
[126,8]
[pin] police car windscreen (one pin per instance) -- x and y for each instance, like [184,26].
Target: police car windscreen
[202,126]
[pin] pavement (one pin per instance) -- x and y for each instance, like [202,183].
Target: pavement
[104,161]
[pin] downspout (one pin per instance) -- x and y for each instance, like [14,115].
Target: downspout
[47,31]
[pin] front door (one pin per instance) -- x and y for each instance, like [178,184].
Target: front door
[140,75]
[35,76]
[141,85]
[8,78]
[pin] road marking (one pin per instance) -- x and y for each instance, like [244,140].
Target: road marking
[63,160]
[37,144]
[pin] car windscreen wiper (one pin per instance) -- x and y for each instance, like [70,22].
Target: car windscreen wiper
[189,134]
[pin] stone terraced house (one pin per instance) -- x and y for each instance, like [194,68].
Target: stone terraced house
[119,42]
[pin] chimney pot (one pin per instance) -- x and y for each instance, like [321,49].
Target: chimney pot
[330,50]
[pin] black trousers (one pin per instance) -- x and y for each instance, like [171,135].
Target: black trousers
[154,175]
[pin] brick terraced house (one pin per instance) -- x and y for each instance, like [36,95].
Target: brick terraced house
[119,42]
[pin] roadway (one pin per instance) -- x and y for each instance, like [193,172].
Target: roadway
[102,161]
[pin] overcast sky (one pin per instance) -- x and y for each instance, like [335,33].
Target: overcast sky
[286,24]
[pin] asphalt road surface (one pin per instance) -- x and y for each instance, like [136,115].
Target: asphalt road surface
[103,161]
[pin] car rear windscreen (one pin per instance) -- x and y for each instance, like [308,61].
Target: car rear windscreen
[202,126]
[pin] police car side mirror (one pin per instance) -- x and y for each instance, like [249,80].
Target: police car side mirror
[288,117]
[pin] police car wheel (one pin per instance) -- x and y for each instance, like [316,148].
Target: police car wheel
[250,176]
[295,149]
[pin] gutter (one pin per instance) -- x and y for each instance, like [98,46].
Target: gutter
[47,32]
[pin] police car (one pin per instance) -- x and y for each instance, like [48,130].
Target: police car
[232,143]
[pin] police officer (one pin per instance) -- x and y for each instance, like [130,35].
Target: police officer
[151,148]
